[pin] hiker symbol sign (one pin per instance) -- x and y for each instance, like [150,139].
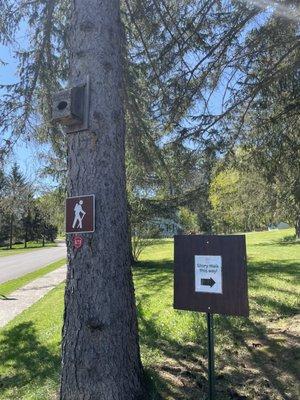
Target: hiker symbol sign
[80,214]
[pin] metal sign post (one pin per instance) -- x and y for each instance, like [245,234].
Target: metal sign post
[210,275]
[211,356]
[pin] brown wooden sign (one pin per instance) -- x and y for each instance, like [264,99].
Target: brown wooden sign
[80,214]
[210,274]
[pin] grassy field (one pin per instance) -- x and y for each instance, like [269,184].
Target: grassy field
[256,358]
[8,287]
[19,248]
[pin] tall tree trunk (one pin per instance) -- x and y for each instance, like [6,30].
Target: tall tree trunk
[132,260]
[100,352]
[11,228]
[297,227]
[43,236]
[26,237]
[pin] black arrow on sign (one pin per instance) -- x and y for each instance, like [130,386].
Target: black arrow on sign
[208,282]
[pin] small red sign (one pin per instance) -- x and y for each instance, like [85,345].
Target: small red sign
[77,241]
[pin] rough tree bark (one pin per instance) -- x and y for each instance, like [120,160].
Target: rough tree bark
[11,229]
[100,351]
[297,227]
[26,235]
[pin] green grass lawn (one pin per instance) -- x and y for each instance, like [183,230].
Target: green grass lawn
[19,248]
[256,357]
[8,287]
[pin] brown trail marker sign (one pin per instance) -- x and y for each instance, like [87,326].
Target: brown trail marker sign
[80,214]
[210,275]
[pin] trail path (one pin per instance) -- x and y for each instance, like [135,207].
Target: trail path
[23,298]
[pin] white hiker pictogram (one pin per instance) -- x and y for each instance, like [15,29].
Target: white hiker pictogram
[79,215]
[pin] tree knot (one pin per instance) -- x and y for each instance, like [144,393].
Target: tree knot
[95,325]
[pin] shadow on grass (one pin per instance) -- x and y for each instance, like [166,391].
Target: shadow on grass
[273,268]
[291,239]
[157,275]
[25,359]
[155,266]
[277,307]
[152,278]
[273,359]
[285,241]
[3,297]
[248,356]
[181,373]
[273,278]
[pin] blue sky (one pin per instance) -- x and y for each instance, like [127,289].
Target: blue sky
[25,153]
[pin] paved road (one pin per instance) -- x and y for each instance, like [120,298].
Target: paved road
[12,267]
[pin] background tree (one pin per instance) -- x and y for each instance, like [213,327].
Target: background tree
[189,78]
[16,200]
[181,57]
[188,220]
[4,223]
[241,201]
[22,217]
[52,205]
[270,132]
[27,217]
